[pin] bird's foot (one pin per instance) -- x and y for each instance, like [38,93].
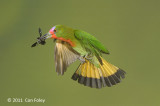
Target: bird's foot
[82,59]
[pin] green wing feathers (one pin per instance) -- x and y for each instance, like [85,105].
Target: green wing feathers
[90,41]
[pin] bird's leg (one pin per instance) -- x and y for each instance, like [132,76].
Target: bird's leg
[89,56]
[82,59]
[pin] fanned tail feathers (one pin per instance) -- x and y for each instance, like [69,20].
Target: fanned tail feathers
[106,75]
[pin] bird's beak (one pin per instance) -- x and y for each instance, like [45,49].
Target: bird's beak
[48,35]
[51,35]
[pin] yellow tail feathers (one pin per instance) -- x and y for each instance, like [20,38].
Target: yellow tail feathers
[106,75]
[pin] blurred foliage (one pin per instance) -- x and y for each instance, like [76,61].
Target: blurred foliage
[128,28]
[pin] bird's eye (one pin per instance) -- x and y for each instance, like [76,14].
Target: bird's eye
[55,30]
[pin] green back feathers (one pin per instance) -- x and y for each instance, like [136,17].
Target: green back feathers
[90,41]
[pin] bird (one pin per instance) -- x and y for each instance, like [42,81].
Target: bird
[72,45]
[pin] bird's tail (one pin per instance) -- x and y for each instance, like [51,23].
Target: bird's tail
[106,75]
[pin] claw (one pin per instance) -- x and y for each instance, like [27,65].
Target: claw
[82,59]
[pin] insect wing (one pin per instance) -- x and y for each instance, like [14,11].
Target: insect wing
[34,44]
[40,32]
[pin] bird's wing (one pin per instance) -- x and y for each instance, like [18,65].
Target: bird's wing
[91,44]
[88,40]
[64,56]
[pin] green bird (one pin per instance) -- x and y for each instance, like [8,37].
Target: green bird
[71,45]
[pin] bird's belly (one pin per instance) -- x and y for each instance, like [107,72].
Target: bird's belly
[80,50]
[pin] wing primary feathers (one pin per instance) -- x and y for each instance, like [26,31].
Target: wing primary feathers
[64,56]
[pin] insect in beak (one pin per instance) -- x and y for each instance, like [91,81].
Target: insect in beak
[41,39]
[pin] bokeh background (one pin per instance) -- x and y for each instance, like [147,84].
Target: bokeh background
[130,29]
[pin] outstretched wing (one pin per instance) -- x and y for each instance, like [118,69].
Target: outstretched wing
[64,56]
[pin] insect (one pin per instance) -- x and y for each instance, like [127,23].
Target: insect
[41,39]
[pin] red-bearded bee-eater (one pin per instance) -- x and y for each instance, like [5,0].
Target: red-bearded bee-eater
[72,45]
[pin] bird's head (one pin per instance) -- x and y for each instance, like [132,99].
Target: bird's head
[62,33]
[59,32]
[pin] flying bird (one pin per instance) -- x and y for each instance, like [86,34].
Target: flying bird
[71,45]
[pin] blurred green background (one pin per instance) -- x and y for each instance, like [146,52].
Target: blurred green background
[130,29]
